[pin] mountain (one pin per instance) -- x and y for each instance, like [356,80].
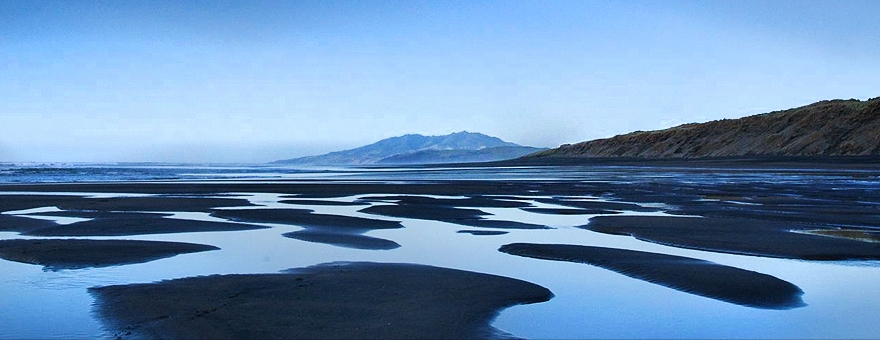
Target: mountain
[460,155]
[827,128]
[414,148]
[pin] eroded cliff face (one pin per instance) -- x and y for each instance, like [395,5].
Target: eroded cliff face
[827,128]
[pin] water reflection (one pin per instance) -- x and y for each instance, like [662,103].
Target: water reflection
[590,302]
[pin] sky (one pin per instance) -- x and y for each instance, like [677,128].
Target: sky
[257,81]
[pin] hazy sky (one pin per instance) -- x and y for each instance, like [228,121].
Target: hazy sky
[256,81]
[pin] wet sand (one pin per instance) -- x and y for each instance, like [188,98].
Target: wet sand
[58,254]
[470,202]
[331,301]
[305,218]
[320,202]
[563,211]
[704,278]
[443,213]
[482,232]
[753,218]
[343,231]
[343,239]
[127,224]
[737,236]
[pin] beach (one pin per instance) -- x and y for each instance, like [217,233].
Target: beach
[377,248]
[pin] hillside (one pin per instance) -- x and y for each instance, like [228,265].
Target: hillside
[415,148]
[827,128]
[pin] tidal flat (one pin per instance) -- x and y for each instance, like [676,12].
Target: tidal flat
[463,252]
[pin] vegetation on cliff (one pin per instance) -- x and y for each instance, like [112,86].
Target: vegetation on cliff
[827,128]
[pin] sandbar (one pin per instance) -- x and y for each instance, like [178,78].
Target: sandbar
[330,301]
[442,213]
[58,254]
[338,230]
[704,278]
[737,236]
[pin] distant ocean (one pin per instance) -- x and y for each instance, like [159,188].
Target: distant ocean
[11,173]
[114,172]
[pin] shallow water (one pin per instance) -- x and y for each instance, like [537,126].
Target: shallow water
[591,302]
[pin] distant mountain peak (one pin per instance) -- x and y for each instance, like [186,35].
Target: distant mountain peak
[464,145]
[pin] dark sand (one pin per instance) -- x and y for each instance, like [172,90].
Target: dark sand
[481,223]
[153,203]
[737,236]
[699,277]
[127,224]
[337,230]
[341,239]
[120,216]
[483,232]
[470,202]
[597,205]
[758,227]
[322,202]
[443,213]
[23,202]
[57,254]
[425,212]
[305,218]
[563,211]
[21,224]
[330,301]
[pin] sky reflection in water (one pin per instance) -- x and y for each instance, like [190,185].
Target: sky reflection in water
[590,302]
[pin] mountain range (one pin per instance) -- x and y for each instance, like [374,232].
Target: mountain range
[826,128]
[460,147]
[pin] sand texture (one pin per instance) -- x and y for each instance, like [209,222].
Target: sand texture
[704,278]
[330,301]
[58,254]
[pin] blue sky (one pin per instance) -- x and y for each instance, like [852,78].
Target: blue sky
[256,81]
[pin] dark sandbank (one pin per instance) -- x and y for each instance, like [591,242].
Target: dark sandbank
[699,277]
[845,211]
[305,218]
[469,202]
[425,212]
[347,240]
[22,224]
[99,214]
[596,205]
[563,211]
[152,203]
[126,224]
[343,231]
[737,236]
[57,254]
[499,224]
[441,213]
[482,232]
[23,202]
[322,202]
[329,301]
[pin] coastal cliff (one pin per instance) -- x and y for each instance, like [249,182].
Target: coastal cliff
[826,128]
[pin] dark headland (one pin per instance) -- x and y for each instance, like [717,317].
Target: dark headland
[828,128]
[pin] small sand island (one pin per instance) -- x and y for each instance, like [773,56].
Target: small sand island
[58,254]
[328,301]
